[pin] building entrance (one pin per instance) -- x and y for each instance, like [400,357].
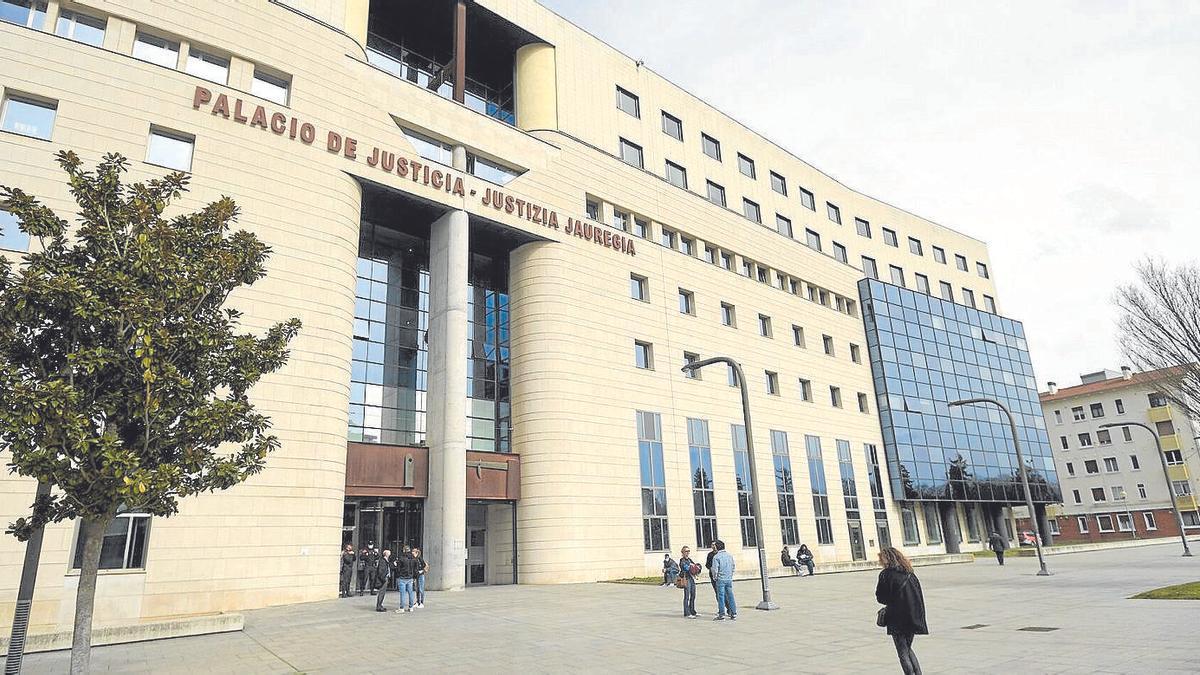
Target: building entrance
[389,523]
[857,550]
[476,545]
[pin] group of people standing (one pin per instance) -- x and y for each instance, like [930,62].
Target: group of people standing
[406,572]
[720,566]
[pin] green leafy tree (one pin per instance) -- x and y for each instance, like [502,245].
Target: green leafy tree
[123,379]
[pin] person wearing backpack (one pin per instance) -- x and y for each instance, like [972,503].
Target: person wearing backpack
[687,573]
[899,591]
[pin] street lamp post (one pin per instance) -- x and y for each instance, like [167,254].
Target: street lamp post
[1187,552]
[766,603]
[1128,513]
[1012,425]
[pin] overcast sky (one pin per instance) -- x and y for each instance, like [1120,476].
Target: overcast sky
[1065,135]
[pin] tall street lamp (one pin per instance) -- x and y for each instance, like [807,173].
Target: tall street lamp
[766,603]
[1128,513]
[1187,552]
[1012,425]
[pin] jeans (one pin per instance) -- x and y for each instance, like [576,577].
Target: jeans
[669,578]
[406,592]
[420,589]
[379,596]
[1000,557]
[908,660]
[689,596]
[809,565]
[725,602]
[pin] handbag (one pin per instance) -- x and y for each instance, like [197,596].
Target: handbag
[881,616]
[680,582]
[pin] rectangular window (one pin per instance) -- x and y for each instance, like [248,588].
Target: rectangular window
[862,227]
[1120,408]
[939,254]
[676,175]
[207,66]
[641,228]
[672,126]
[797,335]
[785,488]
[1181,488]
[28,13]
[1125,522]
[1190,518]
[667,238]
[968,297]
[741,474]
[1104,437]
[643,355]
[28,116]
[764,325]
[690,358]
[834,213]
[783,226]
[981,269]
[727,261]
[1134,464]
[593,210]
[271,87]
[631,153]
[813,240]
[820,491]
[1085,440]
[846,473]
[1148,519]
[716,193]
[960,262]
[827,343]
[711,146]
[805,389]
[839,253]
[655,535]
[747,268]
[1075,494]
[1141,488]
[80,27]
[1077,413]
[1098,495]
[772,382]
[1164,428]
[889,238]
[1082,523]
[1091,466]
[869,267]
[1058,417]
[922,283]
[639,288]
[862,403]
[710,255]
[1104,523]
[1097,410]
[855,353]
[933,523]
[1118,493]
[1110,464]
[989,304]
[1070,469]
[947,291]
[908,519]
[835,396]
[728,315]
[733,378]
[620,220]
[807,200]
[628,102]
[1156,399]
[746,166]
[124,544]
[170,149]
[751,210]
[11,236]
[704,502]
[897,275]
[778,184]
[687,302]
[914,246]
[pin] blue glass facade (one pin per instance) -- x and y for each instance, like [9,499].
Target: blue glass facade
[926,352]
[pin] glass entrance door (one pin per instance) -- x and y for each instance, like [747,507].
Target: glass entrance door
[856,541]
[476,545]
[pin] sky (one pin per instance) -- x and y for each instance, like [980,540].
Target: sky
[1066,135]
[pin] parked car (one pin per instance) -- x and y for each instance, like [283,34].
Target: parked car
[1028,538]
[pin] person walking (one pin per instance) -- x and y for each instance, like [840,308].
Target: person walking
[708,565]
[899,591]
[406,571]
[422,568]
[996,543]
[805,557]
[670,570]
[688,571]
[788,561]
[346,570]
[380,575]
[724,567]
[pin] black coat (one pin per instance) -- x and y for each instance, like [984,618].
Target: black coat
[406,567]
[348,562]
[708,561]
[381,572]
[996,542]
[905,602]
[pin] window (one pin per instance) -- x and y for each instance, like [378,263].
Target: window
[889,238]
[908,519]
[732,374]
[639,288]
[1118,493]
[711,146]
[839,253]
[922,283]
[1110,464]
[727,260]
[1053,523]
[703,499]
[1141,488]
[783,226]
[11,236]
[1098,495]
[641,228]
[690,358]
[862,403]
[655,535]
[797,335]
[28,13]
[620,220]
[989,304]
[751,210]
[710,255]
[947,291]
[747,268]
[807,200]
[834,213]
[1120,407]
[1070,469]
[156,50]
[687,246]
[835,396]
[785,488]
[1063,440]
[728,315]
[939,254]
[981,269]
[1097,410]
[741,474]
[1134,464]
[643,354]
[862,227]
[1148,519]
[846,473]
[1181,488]
[1058,417]
[1082,523]
[1164,428]
[170,149]
[1075,495]
[1091,466]
[716,193]
[827,343]
[80,27]
[1190,518]
[687,302]
[1104,523]
[676,175]
[820,491]
[762,274]
[1104,437]
[746,166]
[933,523]
[628,102]
[869,267]
[968,297]
[1156,400]
[914,246]
[897,275]
[28,116]
[667,238]
[593,210]
[207,66]
[271,87]
[672,126]
[805,389]
[764,325]
[960,262]
[855,353]
[631,153]
[1173,457]
[1077,413]
[772,382]
[778,184]
[812,240]
[124,544]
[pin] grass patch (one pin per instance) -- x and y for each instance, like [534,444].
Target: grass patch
[992,554]
[645,581]
[1189,591]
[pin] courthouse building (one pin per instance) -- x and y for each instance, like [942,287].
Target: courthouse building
[504,239]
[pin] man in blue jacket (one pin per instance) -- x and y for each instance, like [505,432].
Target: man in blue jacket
[723,567]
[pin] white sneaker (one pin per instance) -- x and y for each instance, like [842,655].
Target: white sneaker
[420,605]
[399,611]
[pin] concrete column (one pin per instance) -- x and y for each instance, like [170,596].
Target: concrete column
[446,506]
[536,87]
[356,19]
[997,523]
[1044,524]
[50,21]
[950,533]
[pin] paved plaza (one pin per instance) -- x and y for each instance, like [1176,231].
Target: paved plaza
[825,625]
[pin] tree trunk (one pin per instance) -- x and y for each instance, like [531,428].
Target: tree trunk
[91,537]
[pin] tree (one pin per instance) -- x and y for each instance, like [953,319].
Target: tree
[123,383]
[1160,329]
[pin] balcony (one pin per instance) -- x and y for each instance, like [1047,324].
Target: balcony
[1170,442]
[1178,472]
[1160,413]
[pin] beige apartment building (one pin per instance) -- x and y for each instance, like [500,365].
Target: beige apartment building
[1112,478]
[504,239]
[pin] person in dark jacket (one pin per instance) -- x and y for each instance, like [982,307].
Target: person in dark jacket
[406,572]
[670,570]
[380,574]
[786,559]
[996,543]
[708,565]
[346,571]
[422,568]
[689,589]
[364,566]
[805,557]
[899,591]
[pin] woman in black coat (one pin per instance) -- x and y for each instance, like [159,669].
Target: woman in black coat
[900,591]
